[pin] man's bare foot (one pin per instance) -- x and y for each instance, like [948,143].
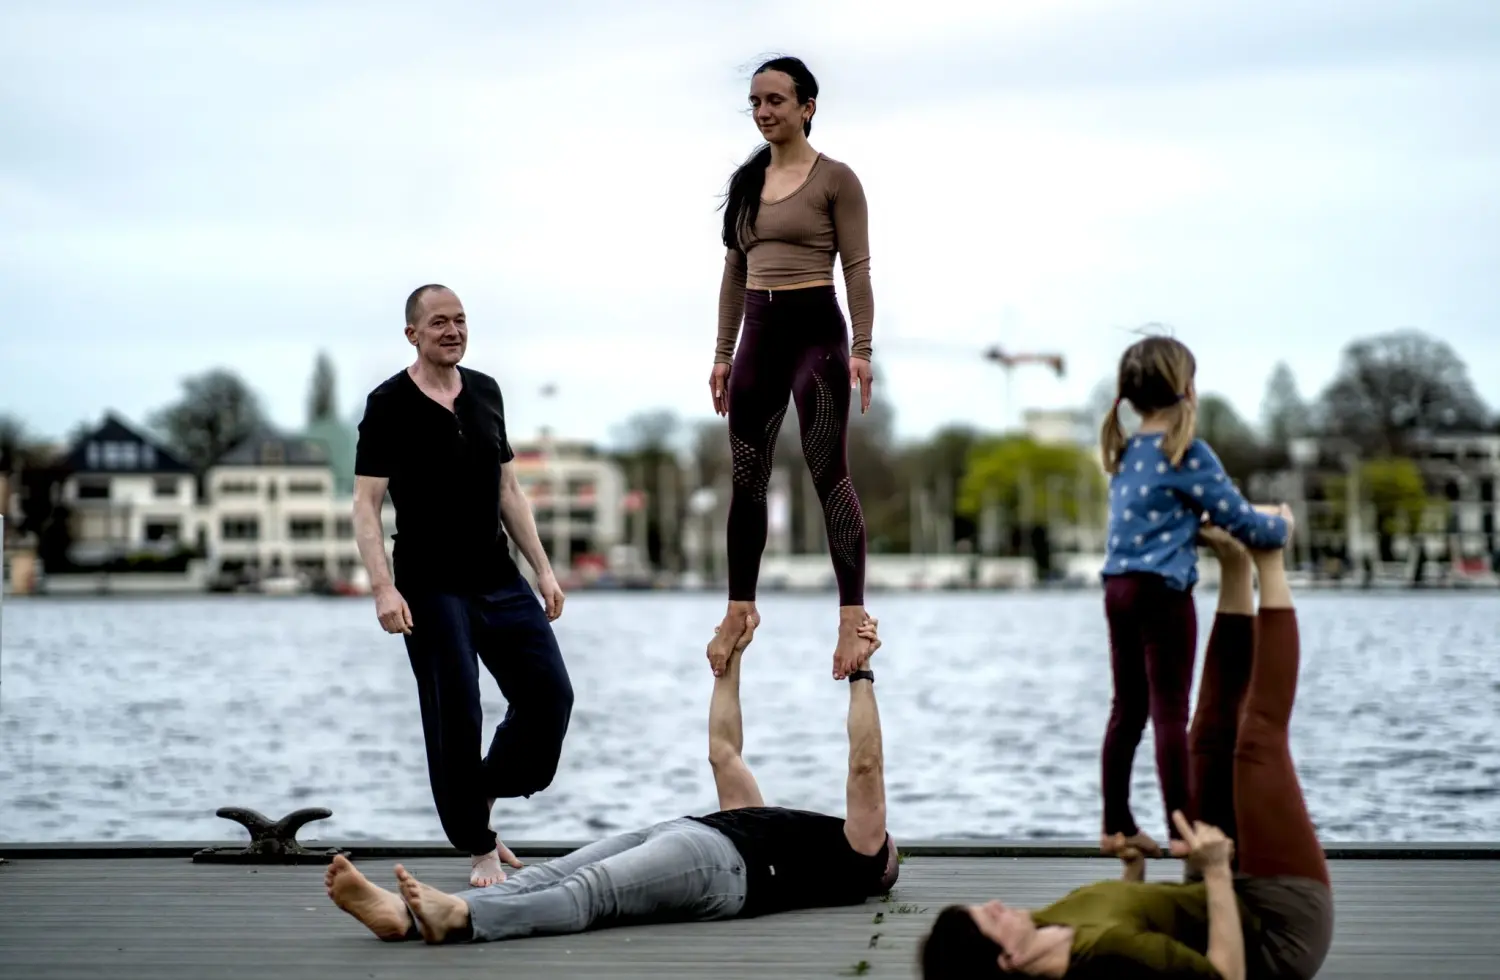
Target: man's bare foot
[852,649]
[379,910]
[732,635]
[485,870]
[436,914]
[1119,844]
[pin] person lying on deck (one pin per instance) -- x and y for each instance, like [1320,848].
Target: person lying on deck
[1257,903]
[745,859]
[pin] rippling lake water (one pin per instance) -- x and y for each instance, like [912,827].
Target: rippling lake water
[134,719]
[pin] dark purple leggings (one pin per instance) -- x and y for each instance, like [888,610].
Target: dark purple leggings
[1153,641]
[794,344]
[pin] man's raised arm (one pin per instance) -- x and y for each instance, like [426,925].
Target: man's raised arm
[864,822]
[726,735]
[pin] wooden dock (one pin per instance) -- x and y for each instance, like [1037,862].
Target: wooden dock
[148,911]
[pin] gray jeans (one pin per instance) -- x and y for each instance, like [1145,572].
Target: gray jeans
[678,871]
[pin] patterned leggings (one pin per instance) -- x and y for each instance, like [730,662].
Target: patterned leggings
[794,344]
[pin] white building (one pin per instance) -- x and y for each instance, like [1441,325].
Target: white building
[274,510]
[129,497]
[578,501]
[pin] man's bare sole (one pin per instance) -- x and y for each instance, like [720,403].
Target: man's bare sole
[436,914]
[732,635]
[378,910]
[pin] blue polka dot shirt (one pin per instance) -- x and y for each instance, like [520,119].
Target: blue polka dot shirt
[1155,510]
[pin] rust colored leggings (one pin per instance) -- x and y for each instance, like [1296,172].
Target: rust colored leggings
[1244,780]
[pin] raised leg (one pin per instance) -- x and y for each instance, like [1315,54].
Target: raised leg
[519,649]
[1276,834]
[1130,705]
[1226,672]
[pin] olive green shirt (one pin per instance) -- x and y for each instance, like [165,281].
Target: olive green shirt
[1138,929]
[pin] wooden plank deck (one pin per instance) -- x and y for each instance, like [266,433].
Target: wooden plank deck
[167,918]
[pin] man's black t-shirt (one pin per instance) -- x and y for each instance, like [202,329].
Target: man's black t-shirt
[444,473]
[795,859]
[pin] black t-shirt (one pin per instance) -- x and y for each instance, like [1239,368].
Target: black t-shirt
[795,859]
[444,473]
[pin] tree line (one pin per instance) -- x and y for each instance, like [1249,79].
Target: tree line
[927,494]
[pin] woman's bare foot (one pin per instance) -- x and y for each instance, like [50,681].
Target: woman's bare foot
[852,649]
[436,914]
[1119,844]
[380,911]
[733,634]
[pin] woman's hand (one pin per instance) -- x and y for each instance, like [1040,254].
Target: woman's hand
[861,377]
[718,388]
[1204,846]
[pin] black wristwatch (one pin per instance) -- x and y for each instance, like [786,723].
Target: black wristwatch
[862,675]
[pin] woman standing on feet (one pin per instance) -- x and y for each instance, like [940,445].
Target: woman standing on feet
[788,211]
[1164,484]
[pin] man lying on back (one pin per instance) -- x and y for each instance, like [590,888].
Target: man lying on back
[744,859]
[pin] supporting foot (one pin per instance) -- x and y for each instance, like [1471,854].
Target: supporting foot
[734,633]
[270,842]
[437,915]
[378,910]
[485,870]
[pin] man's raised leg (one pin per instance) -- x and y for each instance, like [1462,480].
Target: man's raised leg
[1276,835]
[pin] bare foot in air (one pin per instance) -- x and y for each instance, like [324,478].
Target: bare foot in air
[852,648]
[732,635]
[379,910]
[436,914]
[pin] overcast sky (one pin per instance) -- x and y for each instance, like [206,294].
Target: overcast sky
[198,184]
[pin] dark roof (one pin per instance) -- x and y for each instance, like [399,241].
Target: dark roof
[115,447]
[270,448]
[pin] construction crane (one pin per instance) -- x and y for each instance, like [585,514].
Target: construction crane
[1009,361]
[1056,362]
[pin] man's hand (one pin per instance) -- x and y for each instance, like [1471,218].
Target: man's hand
[718,387]
[1204,846]
[866,631]
[552,594]
[862,377]
[392,611]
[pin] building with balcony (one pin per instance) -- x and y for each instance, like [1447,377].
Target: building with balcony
[275,509]
[577,498]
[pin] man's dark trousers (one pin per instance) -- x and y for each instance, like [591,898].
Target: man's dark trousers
[508,630]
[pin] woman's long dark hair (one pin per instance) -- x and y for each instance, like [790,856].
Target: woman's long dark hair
[742,202]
